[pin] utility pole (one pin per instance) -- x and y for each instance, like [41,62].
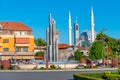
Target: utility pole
[46,61]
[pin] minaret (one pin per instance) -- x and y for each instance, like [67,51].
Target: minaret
[76,32]
[92,26]
[69,29]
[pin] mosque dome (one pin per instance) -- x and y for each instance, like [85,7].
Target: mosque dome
[86,35]
[85,38]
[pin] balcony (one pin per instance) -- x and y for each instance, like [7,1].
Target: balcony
[17,53]
[22,44]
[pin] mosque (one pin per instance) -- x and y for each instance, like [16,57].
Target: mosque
[86,38]
[56,51]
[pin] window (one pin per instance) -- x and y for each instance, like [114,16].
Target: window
[18,49]
[17,33]
[25,49]
[76,27]
[24,33]
[6,49]
[6,41]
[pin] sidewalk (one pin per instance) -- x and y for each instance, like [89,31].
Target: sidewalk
[57,70]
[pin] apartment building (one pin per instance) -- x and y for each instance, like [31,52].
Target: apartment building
[16,41]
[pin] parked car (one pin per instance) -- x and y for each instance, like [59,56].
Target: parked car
[80,65]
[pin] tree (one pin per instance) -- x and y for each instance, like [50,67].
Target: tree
[117,46]
[40,42]
[97,50]
[40,53]
[109,42]
[77,55]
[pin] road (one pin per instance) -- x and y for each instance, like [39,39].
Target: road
[46,75]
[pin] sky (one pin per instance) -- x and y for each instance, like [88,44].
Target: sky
[34,13]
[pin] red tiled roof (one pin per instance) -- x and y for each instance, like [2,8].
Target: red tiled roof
[81,48]
[14,26]
[22,40]
[63,46]
[60,46]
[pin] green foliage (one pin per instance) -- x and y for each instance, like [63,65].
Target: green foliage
[40,42]
[105,74]
[72,58]
[42,68]
[1,66]
[53,67]
[39,54]
[119,62]
[77,55]
[117,46]
[85,77]
[113,77]
[119,70]
[97,76]
[11,67]
[113,44]
[97,50]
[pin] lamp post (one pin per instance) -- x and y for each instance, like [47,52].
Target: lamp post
[15,54]
[0,60]
[65,63]
[46,61]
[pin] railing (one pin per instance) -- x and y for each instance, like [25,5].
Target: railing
[17,53]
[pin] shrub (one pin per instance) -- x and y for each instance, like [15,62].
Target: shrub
[40,53]
[11,67]
[42,68]
[52,67]
[109,76]
[119,70]
[105,74]
[97,76]
[1,66]
[113,77]
[84,77]
[118,61]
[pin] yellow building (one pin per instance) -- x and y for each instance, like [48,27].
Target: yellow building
[16,41]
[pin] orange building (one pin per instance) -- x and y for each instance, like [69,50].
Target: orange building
[16,41]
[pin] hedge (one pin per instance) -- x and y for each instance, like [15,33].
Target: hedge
[84,77]
[97,76]
[113,77]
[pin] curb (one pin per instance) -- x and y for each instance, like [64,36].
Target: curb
[57,70]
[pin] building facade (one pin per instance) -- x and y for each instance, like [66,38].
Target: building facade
[16,41]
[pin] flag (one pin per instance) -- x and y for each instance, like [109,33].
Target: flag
[108,50]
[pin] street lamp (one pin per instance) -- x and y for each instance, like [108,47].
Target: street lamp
[0,60]
[46,61]
[65,61]
[15,54]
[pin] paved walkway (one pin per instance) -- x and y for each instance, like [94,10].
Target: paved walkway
[58,70]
